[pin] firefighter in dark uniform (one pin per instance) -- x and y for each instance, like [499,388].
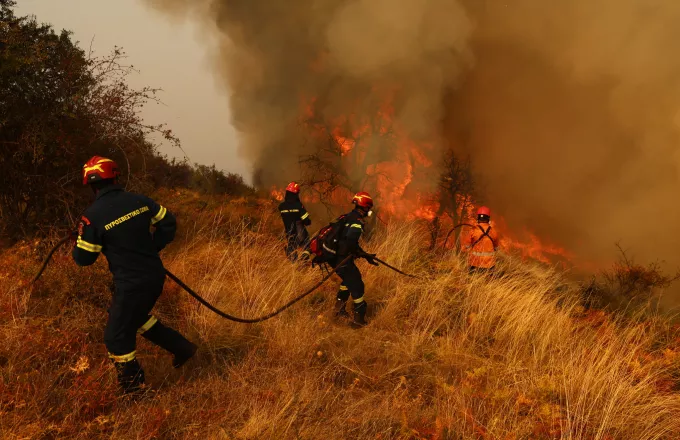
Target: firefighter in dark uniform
[295,221]
[118,225]
[348,244]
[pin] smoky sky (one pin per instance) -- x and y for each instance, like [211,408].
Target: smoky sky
[568,109]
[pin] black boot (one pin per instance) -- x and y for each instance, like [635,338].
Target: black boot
[172,341]
[181,358]
[360,314]
[340,311]
[130,376]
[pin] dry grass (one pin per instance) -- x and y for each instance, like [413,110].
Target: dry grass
[444,357]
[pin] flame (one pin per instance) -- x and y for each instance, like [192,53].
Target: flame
[277,194]
[388,162]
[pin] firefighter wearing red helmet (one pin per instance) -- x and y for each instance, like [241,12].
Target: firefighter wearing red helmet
[351,226]
[118,225]
[481,243]
[295,221]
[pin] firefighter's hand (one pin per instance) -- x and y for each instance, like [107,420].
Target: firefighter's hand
[369,257]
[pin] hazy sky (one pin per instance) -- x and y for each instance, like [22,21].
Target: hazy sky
[172,56]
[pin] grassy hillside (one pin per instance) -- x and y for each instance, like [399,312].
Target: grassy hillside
[444,357]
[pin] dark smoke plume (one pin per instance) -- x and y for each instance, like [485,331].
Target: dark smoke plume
[569,109]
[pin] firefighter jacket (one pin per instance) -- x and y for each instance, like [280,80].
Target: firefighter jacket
[118,225]
[294,215]
[348,241]
[481,242]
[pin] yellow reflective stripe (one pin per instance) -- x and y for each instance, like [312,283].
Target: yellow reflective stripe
[358,301]
[127,217]
[356,225]
[293,210]
[84,245]
[159,216]
[123,357]
[483,254]
[304,216]
[342,287]
[283,211]
[147,325]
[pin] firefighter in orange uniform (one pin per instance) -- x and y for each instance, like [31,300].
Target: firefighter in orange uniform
[481,243]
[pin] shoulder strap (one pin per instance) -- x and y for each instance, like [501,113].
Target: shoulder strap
[484,234]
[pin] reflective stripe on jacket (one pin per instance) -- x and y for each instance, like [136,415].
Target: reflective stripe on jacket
[481,247]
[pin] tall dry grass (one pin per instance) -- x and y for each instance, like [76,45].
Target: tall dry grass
[445,356]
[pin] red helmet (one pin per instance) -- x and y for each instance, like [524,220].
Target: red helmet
[484,211]
[293,187]
[363,200]
[99,168]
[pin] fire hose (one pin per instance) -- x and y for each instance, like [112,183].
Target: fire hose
[395,269]
[453,229]
[49,257]
[214,309]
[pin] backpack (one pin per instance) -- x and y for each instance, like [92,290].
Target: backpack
[327,237]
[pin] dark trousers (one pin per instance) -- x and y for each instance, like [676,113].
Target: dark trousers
[296,242]
[352,283]
[129,315]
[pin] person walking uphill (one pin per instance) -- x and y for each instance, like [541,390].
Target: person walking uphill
[118,225]
[481,243]
[347,231]
[295,221]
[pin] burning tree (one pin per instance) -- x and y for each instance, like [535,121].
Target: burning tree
[457,190]
[369,151]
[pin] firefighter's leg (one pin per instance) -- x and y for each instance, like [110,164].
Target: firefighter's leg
[153,330]
[306,254]
[291,249]
[343,291]
[355,284]
[168,339]
[341,302]
[119,337]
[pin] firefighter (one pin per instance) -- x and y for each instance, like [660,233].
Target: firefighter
[481,243]
[348,244]
[118,225]
[295,221]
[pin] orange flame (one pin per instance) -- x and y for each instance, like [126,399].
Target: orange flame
[277,193]
[380,149]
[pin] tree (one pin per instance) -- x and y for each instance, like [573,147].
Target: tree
[58,107]
[457,190]
[210,180]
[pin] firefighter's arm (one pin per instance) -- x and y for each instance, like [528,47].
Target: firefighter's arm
[304,216]
[165,224]
[88,243]
[352,239]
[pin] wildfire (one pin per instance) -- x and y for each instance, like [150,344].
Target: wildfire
[277,193]
[373,152]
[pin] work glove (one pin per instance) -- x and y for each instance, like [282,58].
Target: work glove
[368,257]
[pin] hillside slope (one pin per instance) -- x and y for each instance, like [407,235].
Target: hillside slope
[444,357]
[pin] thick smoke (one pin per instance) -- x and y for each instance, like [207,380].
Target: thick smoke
[568,109]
